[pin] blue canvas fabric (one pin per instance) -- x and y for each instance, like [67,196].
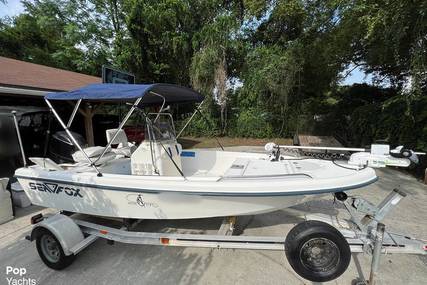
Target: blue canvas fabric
[129,92]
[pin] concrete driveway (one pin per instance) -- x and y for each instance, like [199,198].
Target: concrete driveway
[132,264]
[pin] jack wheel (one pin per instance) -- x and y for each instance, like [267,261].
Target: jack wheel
[340,196]
[317,251]
[51,252]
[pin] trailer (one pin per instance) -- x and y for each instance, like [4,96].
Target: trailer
[318,249]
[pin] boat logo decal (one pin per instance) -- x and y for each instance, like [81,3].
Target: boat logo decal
[55,188]
[138,199]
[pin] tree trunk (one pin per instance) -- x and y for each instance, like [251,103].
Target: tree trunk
[88,115]
[221,87]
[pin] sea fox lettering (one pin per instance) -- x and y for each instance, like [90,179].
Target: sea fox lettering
[55,188]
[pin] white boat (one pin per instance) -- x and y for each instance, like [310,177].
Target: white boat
[158,180]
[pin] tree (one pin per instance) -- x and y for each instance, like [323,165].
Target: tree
[162,38]
[393,41]
[285,57]
[68,34]
[212,60]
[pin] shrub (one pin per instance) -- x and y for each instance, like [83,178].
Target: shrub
[253,123]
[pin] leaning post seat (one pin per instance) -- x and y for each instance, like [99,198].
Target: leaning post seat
[121,140]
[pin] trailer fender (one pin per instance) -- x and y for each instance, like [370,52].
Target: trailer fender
[64,228]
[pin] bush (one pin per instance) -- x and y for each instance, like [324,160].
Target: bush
[253,123]
[199,127]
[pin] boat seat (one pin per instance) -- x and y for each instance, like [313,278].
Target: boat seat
[121,140]
[94,152]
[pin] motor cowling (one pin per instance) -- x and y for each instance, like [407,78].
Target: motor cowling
[61,147]
[401,152]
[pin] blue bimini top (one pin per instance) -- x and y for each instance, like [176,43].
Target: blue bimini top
[129,92]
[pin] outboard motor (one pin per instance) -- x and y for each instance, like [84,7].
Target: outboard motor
[61,147]
[401,152]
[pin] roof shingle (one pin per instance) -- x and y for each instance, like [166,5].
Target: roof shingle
[24,74]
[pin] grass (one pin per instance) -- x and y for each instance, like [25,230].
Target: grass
[207,142]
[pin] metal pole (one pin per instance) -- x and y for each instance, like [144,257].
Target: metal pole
[379,237]
[334,148]
[71,136]
[47,138]
[76,108]
[323,148]
[153,127]
[151,143]
[120,127]
[188,122]
[209,123]
[18,133]
[161,108]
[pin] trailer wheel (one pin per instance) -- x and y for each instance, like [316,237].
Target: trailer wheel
[51,252]
[317,251]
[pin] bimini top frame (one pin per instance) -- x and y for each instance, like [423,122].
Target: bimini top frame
[139,94]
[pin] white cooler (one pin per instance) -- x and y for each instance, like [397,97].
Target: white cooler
[19,197]
[6,213]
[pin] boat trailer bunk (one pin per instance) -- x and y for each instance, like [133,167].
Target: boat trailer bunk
[318,249]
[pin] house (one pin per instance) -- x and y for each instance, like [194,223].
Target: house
[24,83]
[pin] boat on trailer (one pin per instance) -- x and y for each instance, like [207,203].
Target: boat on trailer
[157,179]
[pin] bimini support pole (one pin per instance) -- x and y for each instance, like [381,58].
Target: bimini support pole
[71,136]
[209,123]
[76,108]
[134,106]
[204,118]
[189,121]
[18,133]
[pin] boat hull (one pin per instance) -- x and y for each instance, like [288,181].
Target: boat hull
[146,205]
[176,197]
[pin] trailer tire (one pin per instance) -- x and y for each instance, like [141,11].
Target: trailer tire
[50,250]
[317,251]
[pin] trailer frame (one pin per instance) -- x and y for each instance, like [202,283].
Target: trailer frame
[364,232]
